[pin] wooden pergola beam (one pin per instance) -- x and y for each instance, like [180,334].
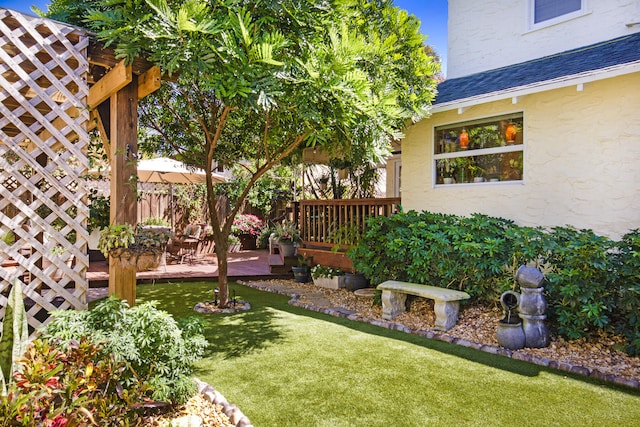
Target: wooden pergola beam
[149,82]
[119,76]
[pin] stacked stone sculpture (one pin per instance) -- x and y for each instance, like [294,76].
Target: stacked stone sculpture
[533,306]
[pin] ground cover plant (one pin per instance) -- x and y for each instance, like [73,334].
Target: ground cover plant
[592,282]
[286,366]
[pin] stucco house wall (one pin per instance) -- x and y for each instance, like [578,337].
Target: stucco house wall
[581,160]
[485,35]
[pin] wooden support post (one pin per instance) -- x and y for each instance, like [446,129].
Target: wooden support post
[123,152]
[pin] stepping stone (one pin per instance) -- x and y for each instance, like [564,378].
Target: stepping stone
[365,292]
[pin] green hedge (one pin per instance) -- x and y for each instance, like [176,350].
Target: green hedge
[592,282]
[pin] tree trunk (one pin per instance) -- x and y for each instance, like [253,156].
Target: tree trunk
[223,282]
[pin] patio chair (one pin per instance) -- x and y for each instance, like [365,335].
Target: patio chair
[185,245]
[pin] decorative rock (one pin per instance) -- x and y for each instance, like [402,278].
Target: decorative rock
[187,421]
[219,399]
[529,277]
[210,395]
[229,410]
[365,292]
[210,307]
[236,415]
[244,422]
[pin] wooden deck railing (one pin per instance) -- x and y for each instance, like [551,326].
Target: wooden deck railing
[327,223]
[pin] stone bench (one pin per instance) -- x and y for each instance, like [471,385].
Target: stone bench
[447,301]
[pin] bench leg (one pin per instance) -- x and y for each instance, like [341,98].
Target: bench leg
[393,303]
[446,314]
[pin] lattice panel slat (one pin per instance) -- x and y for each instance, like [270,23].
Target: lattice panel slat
[43,144]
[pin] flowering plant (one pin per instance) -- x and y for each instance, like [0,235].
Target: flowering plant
[287,232]
[247,224]
[320,271]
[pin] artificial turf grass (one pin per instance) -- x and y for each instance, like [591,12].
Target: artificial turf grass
[285,366]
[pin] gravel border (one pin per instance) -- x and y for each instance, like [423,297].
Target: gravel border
[541,361]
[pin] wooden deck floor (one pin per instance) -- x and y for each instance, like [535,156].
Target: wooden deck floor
[252,264]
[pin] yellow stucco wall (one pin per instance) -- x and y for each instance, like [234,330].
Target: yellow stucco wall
[581,161]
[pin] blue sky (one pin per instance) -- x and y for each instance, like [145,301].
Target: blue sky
[432,14]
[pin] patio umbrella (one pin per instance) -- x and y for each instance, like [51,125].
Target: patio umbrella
[170,171]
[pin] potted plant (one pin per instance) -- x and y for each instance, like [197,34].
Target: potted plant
[327,277]
[301,271]
[151,247]
[143,248]
[247,227]
[287,235]
[449,171]
[98,219]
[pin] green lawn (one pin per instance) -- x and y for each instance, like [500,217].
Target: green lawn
[285,366]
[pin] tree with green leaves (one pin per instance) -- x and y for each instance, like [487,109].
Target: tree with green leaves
[258,80]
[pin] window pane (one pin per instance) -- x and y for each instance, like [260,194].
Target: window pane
[549,9]
[488,133]
[487,168]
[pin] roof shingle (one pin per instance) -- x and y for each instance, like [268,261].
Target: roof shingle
[618,51]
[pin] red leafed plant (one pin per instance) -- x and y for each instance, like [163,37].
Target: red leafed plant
[72,387]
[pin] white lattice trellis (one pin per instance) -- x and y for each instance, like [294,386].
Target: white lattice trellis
[43,145]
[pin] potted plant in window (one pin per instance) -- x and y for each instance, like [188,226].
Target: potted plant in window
[449,171]
[247,227]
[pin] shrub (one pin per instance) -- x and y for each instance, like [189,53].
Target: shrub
[155,221]
[147,339]
[593,282]
[77,386]
[628,298]
[469,254]
[580,286]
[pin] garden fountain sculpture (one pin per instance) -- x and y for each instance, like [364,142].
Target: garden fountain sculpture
[532,330]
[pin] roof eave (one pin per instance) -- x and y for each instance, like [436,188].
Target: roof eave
[541,86]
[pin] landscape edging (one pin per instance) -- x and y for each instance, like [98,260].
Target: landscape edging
[234,413]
